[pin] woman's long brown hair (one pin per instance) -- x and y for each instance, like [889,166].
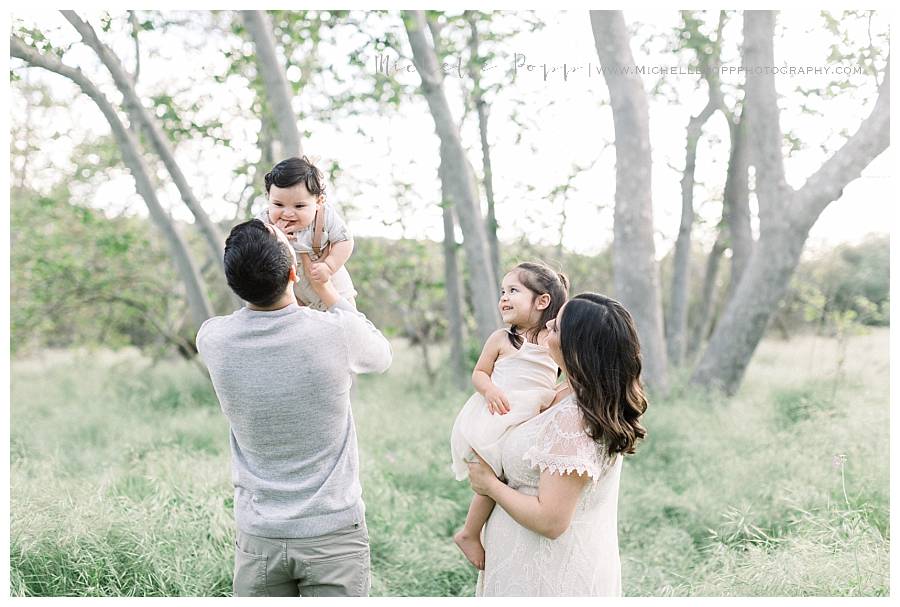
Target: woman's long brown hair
[602,355]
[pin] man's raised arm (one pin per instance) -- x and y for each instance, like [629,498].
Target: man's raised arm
[368,350]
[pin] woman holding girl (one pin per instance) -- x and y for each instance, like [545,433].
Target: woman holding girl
[554,530]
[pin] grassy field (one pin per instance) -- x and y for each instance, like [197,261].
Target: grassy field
[120,480]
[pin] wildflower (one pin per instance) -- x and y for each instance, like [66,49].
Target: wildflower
[837,462]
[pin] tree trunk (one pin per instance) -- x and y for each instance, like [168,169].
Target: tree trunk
[786,215]
[703,321]
[737,199]
[453,286]
[635,271]
[709,61]
[481,108]
[139,115]
[461,188]
[747,313]
[278,89]
[676,322]
[734,233]
[198,302]
[453,289]
[265,141]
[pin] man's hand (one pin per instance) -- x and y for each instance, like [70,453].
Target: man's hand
[320,273]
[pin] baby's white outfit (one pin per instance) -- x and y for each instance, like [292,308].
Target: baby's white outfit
[528,379]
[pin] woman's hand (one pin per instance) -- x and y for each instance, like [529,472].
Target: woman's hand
[481,476]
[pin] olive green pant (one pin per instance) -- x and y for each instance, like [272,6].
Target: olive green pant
[336,564]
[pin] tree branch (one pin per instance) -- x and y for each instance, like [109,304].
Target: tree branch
[458,184]
[140,116]
[198,302]
[424,58]
[846,164]
[135,30]
[278,89]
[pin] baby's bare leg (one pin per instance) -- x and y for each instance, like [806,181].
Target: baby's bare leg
[469,537]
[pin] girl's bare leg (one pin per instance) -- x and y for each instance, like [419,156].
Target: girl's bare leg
[469,537]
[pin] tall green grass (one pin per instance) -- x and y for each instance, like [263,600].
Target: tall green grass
[120,480]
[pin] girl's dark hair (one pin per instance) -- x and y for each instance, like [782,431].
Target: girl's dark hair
[295,170]
[257,264]
[602,355]
[540,279]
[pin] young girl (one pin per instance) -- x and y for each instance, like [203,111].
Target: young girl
[515,379]
[296,194]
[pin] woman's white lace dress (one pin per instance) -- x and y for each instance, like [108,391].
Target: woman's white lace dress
[583,561]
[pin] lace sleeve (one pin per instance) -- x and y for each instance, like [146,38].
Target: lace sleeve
[563,446]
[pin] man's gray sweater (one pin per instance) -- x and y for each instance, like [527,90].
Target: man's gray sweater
[283,381]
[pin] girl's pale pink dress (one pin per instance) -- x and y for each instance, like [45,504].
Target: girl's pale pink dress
[528,379]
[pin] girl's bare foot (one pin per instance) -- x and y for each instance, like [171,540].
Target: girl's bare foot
[471,547]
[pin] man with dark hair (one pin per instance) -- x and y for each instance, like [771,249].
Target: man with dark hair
[256,266]
[282,374]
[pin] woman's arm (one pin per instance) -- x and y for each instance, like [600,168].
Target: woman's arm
[549,513]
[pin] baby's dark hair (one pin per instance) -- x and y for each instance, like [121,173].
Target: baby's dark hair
[540,279]
[291,171]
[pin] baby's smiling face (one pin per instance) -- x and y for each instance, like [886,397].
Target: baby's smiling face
[292,208]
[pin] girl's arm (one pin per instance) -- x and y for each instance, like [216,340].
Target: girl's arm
[481,376]
[549,513]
